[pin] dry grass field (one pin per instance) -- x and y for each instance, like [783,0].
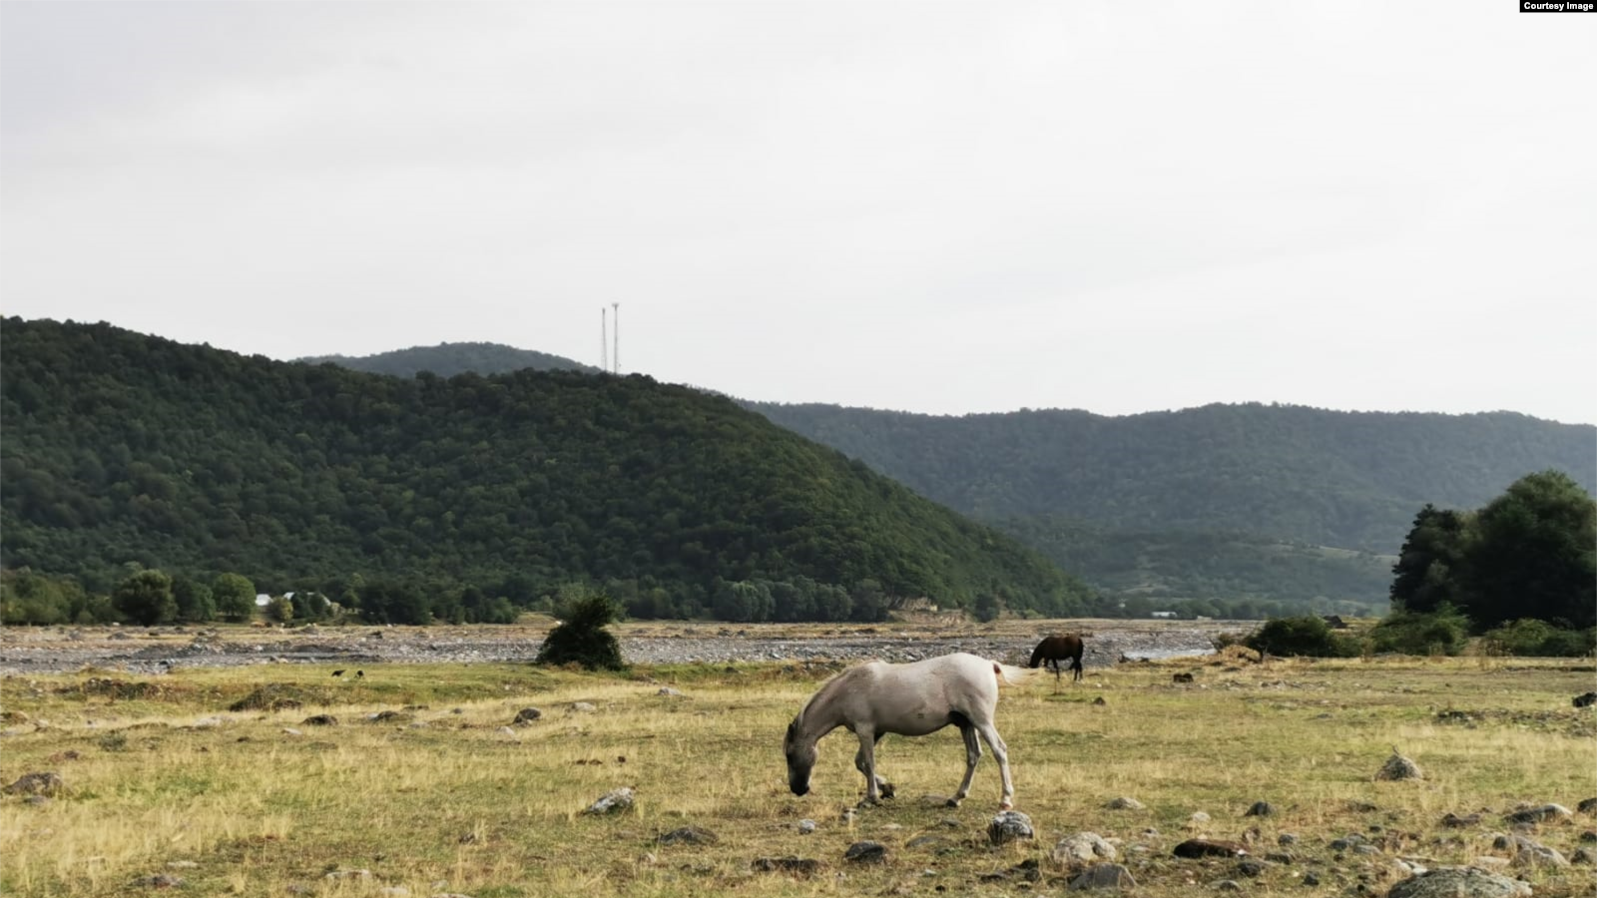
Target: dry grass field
[160,778]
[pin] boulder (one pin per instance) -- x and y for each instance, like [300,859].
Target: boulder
[1459,882]
[1009,826]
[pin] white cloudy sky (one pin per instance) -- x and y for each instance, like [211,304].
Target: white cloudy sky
[939,207]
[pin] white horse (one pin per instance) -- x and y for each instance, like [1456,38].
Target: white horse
[877,698]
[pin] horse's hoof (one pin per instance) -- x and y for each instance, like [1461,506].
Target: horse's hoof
[952,803]
[887,790]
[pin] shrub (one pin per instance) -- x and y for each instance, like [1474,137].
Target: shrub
[1530,637]
[1309,636]
[582,638]
[1444,631]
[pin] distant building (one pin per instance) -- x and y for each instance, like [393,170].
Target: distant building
[1163,614]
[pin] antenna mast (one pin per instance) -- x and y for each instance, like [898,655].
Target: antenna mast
[615,357]
[604,340]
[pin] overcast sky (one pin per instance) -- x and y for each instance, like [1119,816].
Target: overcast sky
[936,207]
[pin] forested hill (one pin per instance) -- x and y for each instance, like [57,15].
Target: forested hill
[123,447]
[1352,480]
[450,359]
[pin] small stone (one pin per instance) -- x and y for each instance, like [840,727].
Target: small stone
[159,881]
[668,691]
[1311,879]
[47,784]
[526,716]
[1228,885]
[320,720]
[1286,839]
[1583,856]
[1260,809]
[1081,850]
[1250,868]
[806,826]
[1103,876]
[1456,822]
[801,866]
[1125,804]
[1540,813]
[1445,882]
[1587,806]
[1198,817]
[582,707]
[866,853]
[349,874]
[1398,767]
[689,835]
[612,802]
[1099,701]
[1008,826]
[505,731]
[1193,848]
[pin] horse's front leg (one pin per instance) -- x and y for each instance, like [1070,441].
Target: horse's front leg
[972,755]
[876,788]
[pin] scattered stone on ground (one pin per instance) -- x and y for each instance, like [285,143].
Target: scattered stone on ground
[1209,848]
[1398,767]
[614,801]
[801,866]
[349,874]
[1585,700]
[581,707]
[1540,813]
[806,826]
[1454,821]
[688,835]
[48,784]
[320,720]
[1587,806]
[159,881]
[1286,839]
[1125,804]
[1529,852]
[866,853]
[1009,826]
[669,692]
[1260,809]
[1103,876]
[1459,882]
[526,716]
[1081,850]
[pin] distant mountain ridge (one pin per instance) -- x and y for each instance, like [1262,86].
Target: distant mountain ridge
[1353,480]
[121,447]
[450,359]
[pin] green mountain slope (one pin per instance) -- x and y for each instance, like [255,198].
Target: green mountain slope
[123,447]
[450,359]
[1352,480]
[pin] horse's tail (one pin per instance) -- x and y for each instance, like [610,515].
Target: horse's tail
[1014,676]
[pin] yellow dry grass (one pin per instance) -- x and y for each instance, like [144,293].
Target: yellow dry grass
[453,804]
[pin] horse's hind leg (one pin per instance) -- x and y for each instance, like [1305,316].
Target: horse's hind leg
[972,755]
[1001,753]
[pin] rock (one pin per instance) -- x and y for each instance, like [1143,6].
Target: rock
[159,881]
[1587,806]
[1125,804]
[1228,885]
[1008,826]
[1311,879]
[181,865]
[390,717]
[1286,839]
[1250,868]
[37,800]
[688,835]
[1585,700]
[526,716]
[1459,882]
[612,802]
[927,841]
[1082,849]
[668,691]
[1260,809]
[1197,818]
[866,853]
[1539,813]
[1583,856]
[1528,853]
[349,874]
[1099,701]
[506,731]
[801,866]
[48,784]
[806,826]
[394,891]
[320,720]
[1209,848]
[1103,876]
[583,707]
[1456,822]
[1398,767]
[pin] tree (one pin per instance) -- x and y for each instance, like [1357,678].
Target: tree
[988,607]
[234,595]
[582,638]
[194,600]
[146,597]
[1427,574]
[1536,554]
[280,609]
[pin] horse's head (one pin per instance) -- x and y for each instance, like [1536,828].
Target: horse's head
[800,759]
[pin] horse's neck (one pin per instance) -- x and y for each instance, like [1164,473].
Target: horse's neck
[822,715]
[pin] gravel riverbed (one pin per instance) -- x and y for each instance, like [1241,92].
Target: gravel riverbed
[158,649]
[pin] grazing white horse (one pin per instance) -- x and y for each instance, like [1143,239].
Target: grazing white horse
[877,698]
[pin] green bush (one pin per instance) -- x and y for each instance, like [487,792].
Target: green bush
[582,638]
[1529,637]
[1308,636]
[1444,631]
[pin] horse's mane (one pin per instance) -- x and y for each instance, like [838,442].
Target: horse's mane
[827,688]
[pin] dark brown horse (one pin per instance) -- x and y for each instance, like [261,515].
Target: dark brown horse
[1059,648]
